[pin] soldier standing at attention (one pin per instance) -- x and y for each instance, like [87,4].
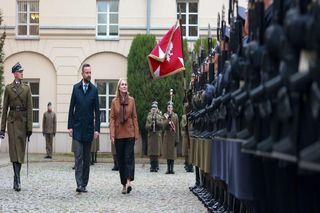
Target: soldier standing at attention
[154,128]
[95,146]
[17,98]
[114,156]
[49,126]
[170,137]
[185,139]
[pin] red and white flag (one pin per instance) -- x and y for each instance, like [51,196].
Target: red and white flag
[167,56]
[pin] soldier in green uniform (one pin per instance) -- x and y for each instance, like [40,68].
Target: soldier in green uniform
[49,126]
[95,146]
[115,160]
[185,142]
[170,137]
[154,128]
[17,98]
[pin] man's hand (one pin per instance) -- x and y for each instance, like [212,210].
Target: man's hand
[70,132]
[29,133]
[96,135]
[2,134]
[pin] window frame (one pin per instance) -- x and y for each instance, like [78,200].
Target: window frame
[187,15]
[107,95]
[28,23]
[107,24]
[28,81]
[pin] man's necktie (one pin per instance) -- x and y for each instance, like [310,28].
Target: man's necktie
[85,88]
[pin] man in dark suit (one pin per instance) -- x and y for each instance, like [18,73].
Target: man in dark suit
[83,112]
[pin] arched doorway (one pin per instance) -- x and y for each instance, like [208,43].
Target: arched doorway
[40,73]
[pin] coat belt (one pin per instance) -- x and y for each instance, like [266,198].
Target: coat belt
[18,108]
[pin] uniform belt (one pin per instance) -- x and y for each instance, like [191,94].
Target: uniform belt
[18,108]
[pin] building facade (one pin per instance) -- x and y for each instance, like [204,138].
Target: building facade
[53,39]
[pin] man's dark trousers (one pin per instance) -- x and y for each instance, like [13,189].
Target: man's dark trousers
[82,162]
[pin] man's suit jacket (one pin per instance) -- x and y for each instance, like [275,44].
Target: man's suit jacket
[84,109]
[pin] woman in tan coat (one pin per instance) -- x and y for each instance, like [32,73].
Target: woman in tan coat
[124,132]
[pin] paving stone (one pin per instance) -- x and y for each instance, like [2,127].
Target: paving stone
[50,187]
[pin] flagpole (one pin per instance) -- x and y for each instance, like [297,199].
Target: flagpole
[184,71]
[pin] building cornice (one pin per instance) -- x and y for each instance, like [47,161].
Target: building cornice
[67,27]
[7,27]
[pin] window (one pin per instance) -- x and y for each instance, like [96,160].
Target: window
[189,13]
[28,18]
[107,91]
[107,18]
[34,86]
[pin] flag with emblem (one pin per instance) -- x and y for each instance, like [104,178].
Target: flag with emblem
[167,56]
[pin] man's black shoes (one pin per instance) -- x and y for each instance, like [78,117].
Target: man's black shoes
[81,189]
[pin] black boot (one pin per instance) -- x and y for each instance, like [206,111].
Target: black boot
[95,157]
[151,165]
[92,158]
[190,168]
[168,167]
[172,165]
[157,165]
[15,176]
[186,165]
[17,168]
[115,164]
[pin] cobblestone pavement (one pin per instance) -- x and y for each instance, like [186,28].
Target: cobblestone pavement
[51,186]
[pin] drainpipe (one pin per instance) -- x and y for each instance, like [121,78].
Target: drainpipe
[148,15]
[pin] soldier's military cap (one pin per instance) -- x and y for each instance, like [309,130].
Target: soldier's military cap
[170,103]
[154,106]
[17,68]
[49,104]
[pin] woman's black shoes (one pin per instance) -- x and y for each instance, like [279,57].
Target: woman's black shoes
[129,189]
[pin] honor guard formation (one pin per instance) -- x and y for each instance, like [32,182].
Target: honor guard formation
[254,110]
[250,129]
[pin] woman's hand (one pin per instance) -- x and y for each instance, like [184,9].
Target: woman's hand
[112,140]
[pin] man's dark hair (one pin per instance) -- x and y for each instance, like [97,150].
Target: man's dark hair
[84,66]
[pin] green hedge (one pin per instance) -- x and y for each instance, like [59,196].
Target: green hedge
[2,38]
